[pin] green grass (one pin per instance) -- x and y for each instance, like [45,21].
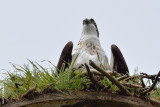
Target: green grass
[31,74]
[156,93]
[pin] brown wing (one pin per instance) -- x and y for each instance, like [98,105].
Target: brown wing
[66,56]
[119,64]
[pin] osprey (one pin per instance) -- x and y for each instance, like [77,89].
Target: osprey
[89,48]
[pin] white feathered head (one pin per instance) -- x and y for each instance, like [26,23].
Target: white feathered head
[90,27]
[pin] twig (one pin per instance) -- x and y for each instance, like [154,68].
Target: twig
[132,85]
[152,86]
[106,88]
[144,73]
[94,81]
[120,86]
[152,77]
[131,77]
[18,84]
[142,82]
[93,71]
[113,73]
[122,78]
[45,89]
[29,91]
[146,88]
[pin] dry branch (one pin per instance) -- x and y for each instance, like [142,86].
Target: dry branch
[113,73]
[29,91]
[94,80]
[123,77]
[132,85]
[93,71]
[131,77]
[106,88]
[142,82]
[146,88]
[152,86]
[114,81]
[152,77]
[45,89]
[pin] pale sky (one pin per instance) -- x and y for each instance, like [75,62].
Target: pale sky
[39,29]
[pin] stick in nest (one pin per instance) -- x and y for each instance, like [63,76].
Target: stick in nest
[29,91]
[132,85]
[94,80]
[152,86]
[114,81]
[45,89]
[142,82]
[152,77]
[123,77]
[95,72]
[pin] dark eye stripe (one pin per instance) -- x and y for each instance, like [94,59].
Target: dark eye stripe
[92,21]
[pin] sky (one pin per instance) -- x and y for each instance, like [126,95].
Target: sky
[39,29]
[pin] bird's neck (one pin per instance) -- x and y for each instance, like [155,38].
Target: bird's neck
[89,37]
[89,34]
[89,30]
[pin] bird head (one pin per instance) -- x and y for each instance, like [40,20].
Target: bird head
[90,27]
